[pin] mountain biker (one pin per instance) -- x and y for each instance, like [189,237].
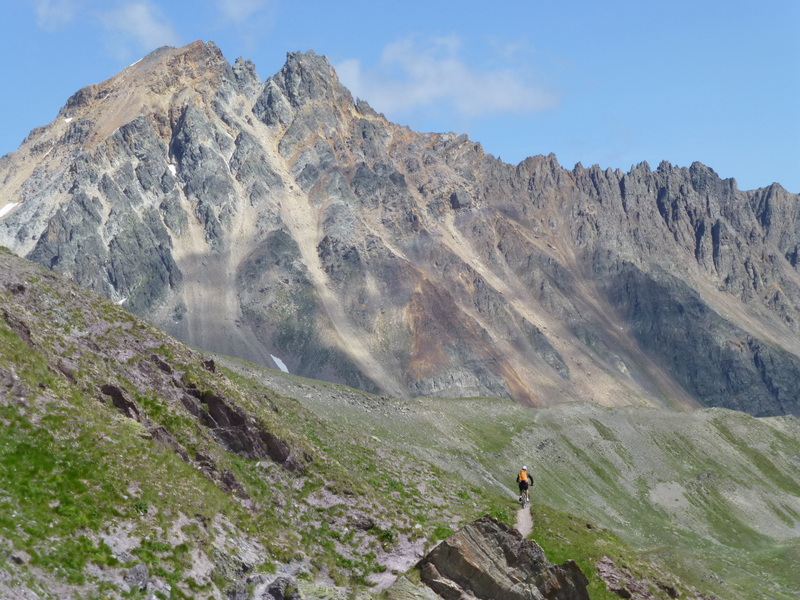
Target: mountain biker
[525,481]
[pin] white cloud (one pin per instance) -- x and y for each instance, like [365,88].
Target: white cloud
[143,23]
[130,26]
[53,14]
[415,73]
[240,10]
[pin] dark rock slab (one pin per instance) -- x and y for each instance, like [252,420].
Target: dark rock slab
[487,560]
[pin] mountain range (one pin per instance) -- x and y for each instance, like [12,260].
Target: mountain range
[289,224]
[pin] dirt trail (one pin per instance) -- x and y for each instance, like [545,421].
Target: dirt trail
[524,523]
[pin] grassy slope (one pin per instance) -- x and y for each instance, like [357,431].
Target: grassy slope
[86,492]
[710,498]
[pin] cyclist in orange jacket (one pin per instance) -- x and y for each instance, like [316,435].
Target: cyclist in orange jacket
[525,481]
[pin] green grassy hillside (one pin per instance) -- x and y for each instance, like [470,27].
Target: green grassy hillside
[132,466]
[121,451]
[712,496]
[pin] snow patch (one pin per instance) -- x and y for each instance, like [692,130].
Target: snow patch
[8,208]
[68,119]
[172,169]
[280,363]
[120,302]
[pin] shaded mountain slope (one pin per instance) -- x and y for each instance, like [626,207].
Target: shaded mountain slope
[284,218]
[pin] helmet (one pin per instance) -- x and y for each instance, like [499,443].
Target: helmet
[524,467]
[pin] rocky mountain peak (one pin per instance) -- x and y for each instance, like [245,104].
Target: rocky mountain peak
[155,88]
[246,76]
[145,87]
[283,219]
[306,87]
[307,76]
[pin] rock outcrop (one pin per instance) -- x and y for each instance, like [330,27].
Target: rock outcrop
[285,219]
[486,560]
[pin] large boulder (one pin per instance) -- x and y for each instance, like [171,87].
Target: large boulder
[489,560]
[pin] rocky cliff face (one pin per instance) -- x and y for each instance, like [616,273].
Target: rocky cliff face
[284,219]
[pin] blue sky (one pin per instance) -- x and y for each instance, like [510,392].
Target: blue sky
[612,83]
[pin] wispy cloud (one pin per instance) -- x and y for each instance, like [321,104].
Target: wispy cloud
[414,73]
[240,10]
[136,25]
[141,23]
[53,14]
